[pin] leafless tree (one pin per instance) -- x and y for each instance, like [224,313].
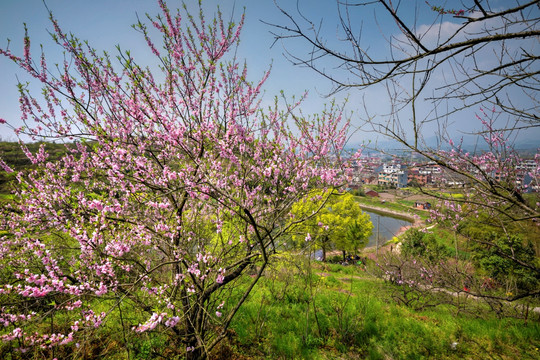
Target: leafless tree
[439,64]
[484,54]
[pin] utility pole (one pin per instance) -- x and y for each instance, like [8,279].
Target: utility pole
[377,244]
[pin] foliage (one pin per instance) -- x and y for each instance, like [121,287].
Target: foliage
[508,257]
[505,260]
[358,192]
[335,220]
[419,282]
[170,195]
[417,243]
[356,235]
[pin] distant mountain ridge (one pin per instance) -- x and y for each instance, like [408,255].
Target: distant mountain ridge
[468,143]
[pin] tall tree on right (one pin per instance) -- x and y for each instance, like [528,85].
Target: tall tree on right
[440,65]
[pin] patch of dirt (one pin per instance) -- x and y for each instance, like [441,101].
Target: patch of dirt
[387,196]
[343,291]
[419,197]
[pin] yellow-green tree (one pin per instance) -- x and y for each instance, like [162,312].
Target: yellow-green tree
[337,222]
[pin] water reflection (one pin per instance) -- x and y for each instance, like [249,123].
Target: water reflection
[388,227]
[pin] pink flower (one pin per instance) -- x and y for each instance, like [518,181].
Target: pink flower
[171,322]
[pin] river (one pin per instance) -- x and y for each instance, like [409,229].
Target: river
[388,227]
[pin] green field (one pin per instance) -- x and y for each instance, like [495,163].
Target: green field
[338,312]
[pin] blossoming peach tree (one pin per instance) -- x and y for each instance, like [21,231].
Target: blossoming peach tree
[169,192]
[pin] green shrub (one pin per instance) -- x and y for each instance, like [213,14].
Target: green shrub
[418,243]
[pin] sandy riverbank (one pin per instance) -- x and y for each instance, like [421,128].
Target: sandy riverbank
[416,221]
[381,210]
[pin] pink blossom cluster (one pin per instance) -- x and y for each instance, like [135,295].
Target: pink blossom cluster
[171,189]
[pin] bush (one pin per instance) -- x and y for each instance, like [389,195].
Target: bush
[418,243]
[358,192]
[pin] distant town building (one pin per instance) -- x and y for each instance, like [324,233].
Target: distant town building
[372,193]
[418,176]
[391,168]
[393,176]
[527,165]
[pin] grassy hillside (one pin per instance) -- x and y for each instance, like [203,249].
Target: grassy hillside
[335,312]
[303,310]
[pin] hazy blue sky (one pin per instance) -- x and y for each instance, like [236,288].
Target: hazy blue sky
[106,23]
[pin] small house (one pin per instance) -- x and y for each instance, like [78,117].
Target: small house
[372,193]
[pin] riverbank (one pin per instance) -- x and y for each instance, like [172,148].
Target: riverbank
[383,211]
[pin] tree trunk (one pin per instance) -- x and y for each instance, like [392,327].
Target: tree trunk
[323,247]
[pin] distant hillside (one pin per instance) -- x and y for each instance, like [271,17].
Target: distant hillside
[12,154]
[526,148]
